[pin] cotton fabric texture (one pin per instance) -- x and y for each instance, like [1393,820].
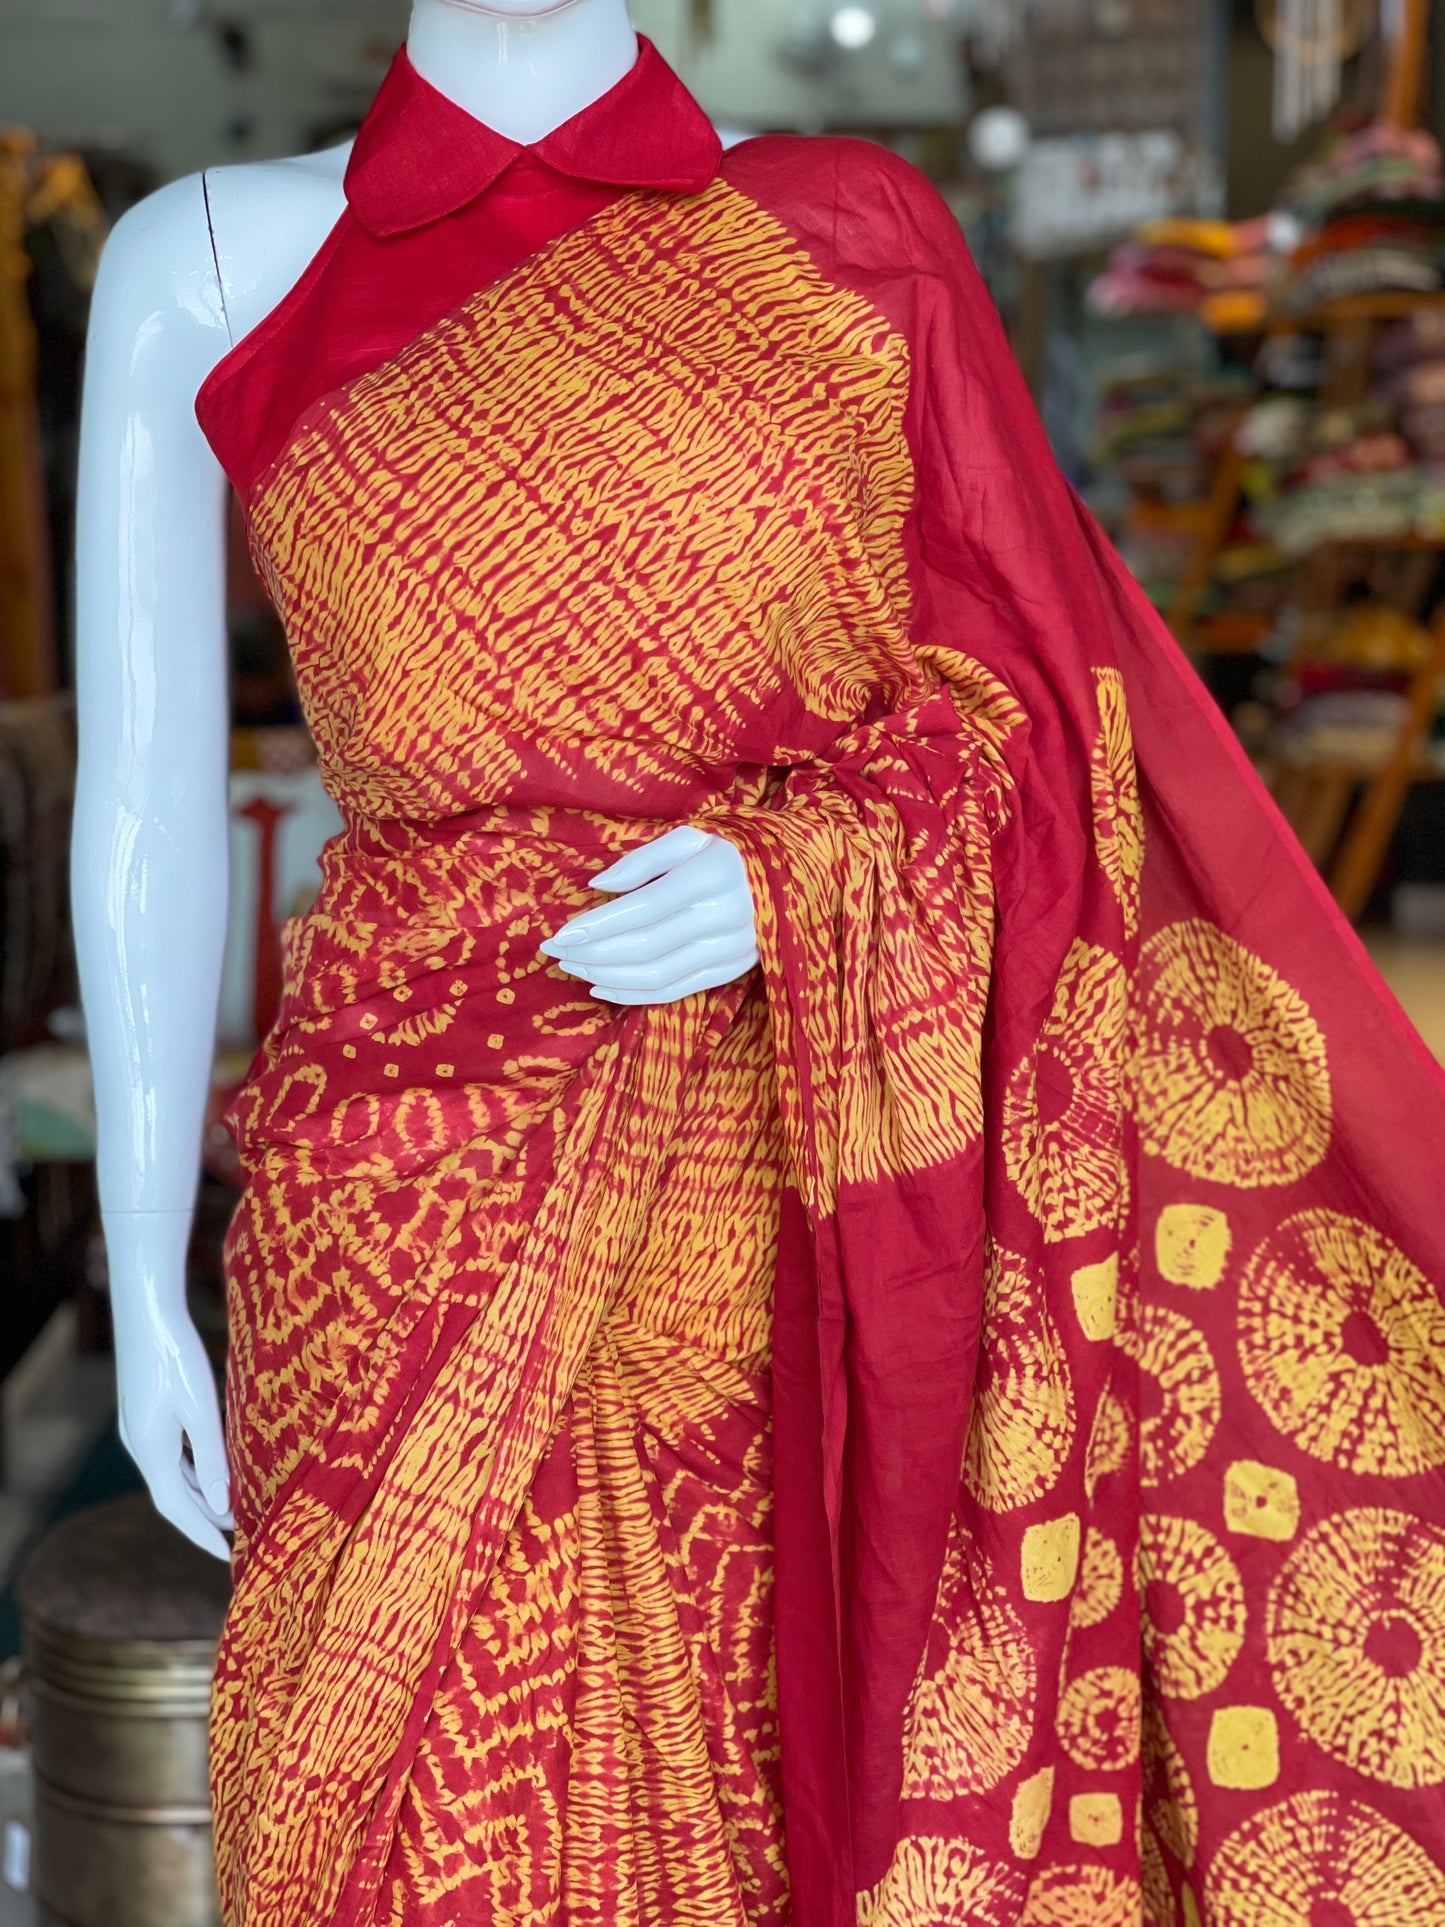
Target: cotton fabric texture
[947,1429]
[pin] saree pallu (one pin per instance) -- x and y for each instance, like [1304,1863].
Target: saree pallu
[945,1430]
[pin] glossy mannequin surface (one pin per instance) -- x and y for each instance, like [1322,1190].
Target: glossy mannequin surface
[187,273]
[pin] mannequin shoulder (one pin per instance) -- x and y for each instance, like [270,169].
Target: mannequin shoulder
[194,266]
[234,230]
[157,294]
[267,219]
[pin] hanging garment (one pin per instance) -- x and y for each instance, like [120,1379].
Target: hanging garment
[947,1429]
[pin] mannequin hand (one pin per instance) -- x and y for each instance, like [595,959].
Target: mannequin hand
[683,921]
[167,1394]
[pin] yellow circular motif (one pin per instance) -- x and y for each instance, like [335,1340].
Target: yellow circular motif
[1169,1799]
[1064,1104]
[1342,1342]
[1233,1082]
[1181,1395]
[1323,1853]
[1080,1897]
[1118,818]
[1099,1719]
[1111,1442]
[1022,1428]
[946,1882]
[1100,1584]
[1194,1614]
[972,1712]
[1355,1634]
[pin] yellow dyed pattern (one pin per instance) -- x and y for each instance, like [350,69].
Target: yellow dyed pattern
[622,543]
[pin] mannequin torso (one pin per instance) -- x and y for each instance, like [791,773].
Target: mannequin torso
[187,275]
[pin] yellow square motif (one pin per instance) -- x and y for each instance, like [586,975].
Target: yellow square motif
[1050,1562]
[1260,1502]
[1243,1748]
[1096,1819]
[1096,1294]
[1191,1245]
[1032,1805]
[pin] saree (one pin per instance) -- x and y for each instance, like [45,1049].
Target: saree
[943,1432]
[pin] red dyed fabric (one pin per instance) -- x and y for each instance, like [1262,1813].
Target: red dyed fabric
[1102,1401]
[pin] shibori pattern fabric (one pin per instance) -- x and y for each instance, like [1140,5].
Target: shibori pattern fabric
[945,1432]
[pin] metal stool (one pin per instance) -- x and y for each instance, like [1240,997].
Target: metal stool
[122,1617]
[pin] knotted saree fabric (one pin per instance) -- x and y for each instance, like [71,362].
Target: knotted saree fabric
[946,1430]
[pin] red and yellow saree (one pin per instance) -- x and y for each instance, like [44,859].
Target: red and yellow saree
[946,1432]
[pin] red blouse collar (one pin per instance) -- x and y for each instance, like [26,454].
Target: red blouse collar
[419,156]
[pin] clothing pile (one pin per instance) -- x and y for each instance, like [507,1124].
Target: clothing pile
[1410,358]
[1159,433]
[1376,164]
[1355,728]
[1221,271]
[1373,210]
[1348,704]
[1162,428]
[1356,497]
[1367,473]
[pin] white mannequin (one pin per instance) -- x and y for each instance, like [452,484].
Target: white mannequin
[187,273]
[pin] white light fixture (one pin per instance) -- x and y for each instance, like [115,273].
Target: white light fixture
[853,27]
[998,139]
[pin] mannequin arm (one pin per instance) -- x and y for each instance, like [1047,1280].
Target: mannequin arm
[150,842]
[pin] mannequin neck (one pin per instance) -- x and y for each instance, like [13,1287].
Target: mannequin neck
[522,75]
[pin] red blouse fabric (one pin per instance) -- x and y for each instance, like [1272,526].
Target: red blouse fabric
[437,206]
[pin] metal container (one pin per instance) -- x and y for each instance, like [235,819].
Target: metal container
[122,1617]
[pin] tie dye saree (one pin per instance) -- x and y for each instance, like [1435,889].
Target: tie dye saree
[944,1432]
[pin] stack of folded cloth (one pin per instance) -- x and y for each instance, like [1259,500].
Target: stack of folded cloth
[1355,727]
[1367,253]
[1342,476]
[1161,429]
[1370,472]
[1373,209]
[1410,356]
[1221,271]
[1379,165]
[1381,506]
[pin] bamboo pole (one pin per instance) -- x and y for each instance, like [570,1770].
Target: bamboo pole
[1407,34]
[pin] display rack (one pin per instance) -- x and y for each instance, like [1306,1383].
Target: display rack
[1350,846]
[1345,813]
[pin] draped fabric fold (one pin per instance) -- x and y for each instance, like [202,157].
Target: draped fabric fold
[946,1430]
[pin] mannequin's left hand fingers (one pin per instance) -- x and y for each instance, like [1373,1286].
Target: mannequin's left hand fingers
[715,874]
[720,959]
[653,860]
[726,916]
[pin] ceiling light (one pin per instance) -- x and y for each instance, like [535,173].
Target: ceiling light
[853,27]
